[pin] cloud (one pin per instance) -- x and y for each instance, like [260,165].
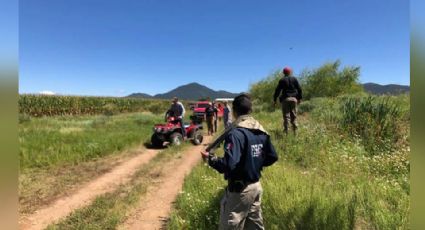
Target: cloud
[47,92]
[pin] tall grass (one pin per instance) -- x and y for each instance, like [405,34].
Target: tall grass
[381,123]
[323,180]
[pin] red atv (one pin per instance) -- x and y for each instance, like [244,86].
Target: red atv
[172,132]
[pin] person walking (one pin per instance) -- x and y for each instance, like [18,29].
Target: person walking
[215,116]
[209,118]
[227,115]
[290,93]
[247,150]
[178,111]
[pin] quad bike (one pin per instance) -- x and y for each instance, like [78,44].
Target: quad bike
[172,132]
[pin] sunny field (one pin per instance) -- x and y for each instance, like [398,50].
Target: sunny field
[330,177]
[66,141]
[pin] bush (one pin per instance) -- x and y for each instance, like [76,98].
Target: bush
[376,120]
[329,81]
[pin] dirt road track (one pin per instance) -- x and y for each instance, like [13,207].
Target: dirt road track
[155,207]
[108,182]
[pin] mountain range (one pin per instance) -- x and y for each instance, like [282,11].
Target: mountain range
[393,89]
[191,91]
[196,91]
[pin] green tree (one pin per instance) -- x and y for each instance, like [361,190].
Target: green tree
[330,81]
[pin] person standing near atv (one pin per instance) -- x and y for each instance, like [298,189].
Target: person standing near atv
[227,115]
[247,149]
[209,118]
[177,109]
[215,116]
[290,97]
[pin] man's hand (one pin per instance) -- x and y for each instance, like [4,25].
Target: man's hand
[204,154]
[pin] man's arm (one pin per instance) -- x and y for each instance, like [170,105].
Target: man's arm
[277,91]
[232,155]
[270,153]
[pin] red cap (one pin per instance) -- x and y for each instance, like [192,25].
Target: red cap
[287,70]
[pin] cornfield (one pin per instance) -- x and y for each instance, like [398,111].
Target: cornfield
[44,105]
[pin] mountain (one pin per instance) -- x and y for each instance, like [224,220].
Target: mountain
[191,91]
[140,95]
[393,89]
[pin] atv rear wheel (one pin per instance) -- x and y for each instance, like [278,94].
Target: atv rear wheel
[157,140]
[197,137]
[176,138]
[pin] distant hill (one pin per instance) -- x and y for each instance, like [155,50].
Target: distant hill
[393,89]
[191,91]
[140,95]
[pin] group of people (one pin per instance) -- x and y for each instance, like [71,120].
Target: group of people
[211,116]
[247,150]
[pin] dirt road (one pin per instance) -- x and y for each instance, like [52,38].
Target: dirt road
[108,182]
[154,208]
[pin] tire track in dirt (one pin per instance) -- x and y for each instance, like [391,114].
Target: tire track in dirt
[154,208]
[108,182]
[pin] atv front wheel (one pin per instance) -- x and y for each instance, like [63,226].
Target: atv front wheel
[197,137]
[157,140]
[176,138]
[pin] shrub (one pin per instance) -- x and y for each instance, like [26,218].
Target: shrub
[374,119]
[329,81]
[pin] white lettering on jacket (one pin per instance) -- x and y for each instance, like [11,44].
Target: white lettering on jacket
[256,150]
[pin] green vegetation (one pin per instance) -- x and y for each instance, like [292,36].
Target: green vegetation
[327,80]
[46,142]
[44,105]
[58,152]
[326,178]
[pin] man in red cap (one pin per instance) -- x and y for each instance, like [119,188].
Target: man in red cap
[290,95]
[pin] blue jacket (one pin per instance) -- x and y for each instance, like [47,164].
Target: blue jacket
[246,152]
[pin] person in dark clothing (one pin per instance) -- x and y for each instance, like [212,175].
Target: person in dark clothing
[177,110]
[209,118]
[290,93]
[215,116]
[227,116]
[247,150]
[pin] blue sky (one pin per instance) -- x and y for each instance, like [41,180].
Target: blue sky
[114,48]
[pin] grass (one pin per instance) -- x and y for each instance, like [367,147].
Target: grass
[112,209]
[323,180]
[59,153]
[47,142]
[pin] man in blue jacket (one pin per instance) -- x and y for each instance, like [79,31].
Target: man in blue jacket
[247,149]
